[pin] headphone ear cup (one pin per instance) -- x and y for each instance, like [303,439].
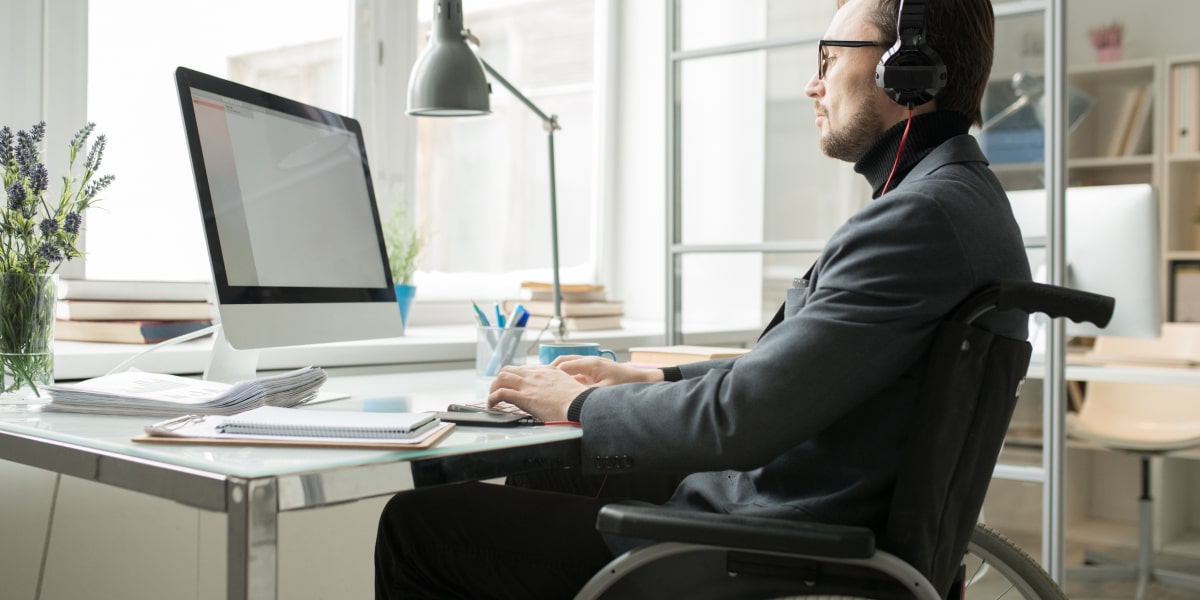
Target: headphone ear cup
[911,73]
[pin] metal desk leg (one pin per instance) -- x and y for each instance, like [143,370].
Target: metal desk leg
[253,557]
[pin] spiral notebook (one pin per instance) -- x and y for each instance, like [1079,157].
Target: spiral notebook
[273,420]
[270,425]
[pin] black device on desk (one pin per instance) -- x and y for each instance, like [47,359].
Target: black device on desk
[473,415]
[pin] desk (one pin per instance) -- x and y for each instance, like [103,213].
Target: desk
[252,485]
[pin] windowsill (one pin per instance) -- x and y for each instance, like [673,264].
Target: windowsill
[430,345]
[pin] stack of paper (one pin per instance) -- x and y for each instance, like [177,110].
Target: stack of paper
[139,393]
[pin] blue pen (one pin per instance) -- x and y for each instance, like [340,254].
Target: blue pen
[524,318]
[499,315]
[515,314]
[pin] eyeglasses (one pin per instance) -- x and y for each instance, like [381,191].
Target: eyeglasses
[822,59]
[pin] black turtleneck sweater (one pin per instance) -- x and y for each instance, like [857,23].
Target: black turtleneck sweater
[928,131]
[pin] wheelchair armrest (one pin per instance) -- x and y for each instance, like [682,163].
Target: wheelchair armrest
[736,531]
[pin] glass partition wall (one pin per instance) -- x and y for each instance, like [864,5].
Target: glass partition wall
[751,199]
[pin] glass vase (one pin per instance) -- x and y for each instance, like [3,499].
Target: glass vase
[26,337]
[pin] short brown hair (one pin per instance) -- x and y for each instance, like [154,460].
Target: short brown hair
[963,33]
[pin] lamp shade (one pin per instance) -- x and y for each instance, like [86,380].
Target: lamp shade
[448,79]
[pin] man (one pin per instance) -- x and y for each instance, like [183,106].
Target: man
[806,425]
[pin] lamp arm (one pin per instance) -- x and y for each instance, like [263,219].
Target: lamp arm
[550,123]
[1008,111]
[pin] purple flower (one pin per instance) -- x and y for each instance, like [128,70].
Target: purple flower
[27,153]
[49,227]
[40,180]
[71,222]
[81,136]
[38,131]
[6,147]
[49,251]
[16,195]
[95,187]
[96,154]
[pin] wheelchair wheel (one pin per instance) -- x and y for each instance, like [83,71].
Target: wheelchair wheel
[996,567]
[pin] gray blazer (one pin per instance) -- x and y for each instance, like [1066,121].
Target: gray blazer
[807,424]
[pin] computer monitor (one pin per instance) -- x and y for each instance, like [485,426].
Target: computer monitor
[1112,248]
[293,232]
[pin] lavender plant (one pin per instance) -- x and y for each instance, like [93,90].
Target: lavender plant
[36,235]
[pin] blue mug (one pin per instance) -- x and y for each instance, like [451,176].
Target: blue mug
[549,351]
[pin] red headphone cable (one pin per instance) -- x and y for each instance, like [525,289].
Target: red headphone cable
[903,138]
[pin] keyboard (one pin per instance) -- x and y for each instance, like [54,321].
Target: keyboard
[503,407]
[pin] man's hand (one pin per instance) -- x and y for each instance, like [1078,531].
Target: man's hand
[596,371]
[543,391]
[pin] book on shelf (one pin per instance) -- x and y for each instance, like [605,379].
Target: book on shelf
[139,393]
[1185,108]
[115,310]
[563,287]
[545,308]
[1140,138]
[572,292]
[578,323]
[111,289]
[1131,100]
[669,356]
[125,332]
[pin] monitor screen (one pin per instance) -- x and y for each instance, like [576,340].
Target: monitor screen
[289,212]
[1112,248]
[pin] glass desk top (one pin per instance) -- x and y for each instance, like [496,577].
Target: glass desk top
[432,390]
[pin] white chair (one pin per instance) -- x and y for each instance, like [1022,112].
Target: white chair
[1147,420]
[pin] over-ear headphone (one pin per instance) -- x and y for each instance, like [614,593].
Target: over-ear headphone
[911,72]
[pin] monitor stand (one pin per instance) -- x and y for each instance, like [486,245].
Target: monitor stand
[228,364]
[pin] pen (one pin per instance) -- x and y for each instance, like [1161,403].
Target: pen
[479,316]
[483,322]
[499,315]
[514,315]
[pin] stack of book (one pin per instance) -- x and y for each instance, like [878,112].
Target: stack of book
[130,312]
[585,306]
[670,356]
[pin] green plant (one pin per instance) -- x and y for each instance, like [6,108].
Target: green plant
[405,242]
[36,235]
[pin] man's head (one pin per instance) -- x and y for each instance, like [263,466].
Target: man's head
[963,33]
[852,111]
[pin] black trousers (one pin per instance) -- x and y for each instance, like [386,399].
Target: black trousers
[533,538]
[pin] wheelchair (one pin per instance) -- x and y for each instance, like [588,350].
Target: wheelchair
[932,546]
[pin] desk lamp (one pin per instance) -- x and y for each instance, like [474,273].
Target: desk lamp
[448,81]
[1030,90]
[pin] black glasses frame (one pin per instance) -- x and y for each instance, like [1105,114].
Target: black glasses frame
[842,44]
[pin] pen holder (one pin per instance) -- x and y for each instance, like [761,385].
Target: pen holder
[497,347]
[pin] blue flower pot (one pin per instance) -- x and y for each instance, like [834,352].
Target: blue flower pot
[404,297]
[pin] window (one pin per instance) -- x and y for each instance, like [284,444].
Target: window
[148,226]
[480,186]
[755,196]
[482,183]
